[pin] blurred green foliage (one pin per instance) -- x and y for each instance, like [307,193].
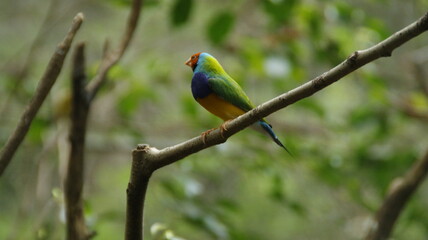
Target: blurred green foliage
[181,11]
[220,26]
[350,140]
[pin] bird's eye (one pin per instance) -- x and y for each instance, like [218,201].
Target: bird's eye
[193,57]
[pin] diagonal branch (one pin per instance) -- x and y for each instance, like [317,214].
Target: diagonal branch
[355,61]
[401,190]
[110,58]
[153,158]
[24,69]
[49,77]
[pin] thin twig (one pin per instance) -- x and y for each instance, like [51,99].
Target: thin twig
[51,74]
[154,159]
[41,34]
[110,58]
[22,72]
[401,189]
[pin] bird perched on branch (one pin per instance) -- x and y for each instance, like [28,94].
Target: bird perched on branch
[218,93]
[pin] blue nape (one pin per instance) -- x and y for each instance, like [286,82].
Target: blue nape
[200,87]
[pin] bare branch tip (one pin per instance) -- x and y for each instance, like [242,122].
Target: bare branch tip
[79,17]
[142,147]
[76,23]
[81,44]
[145,148]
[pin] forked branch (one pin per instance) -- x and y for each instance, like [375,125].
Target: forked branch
[110,58]
[83,94]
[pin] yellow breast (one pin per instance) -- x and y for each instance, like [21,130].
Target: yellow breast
[220,107]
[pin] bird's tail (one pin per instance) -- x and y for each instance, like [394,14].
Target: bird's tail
[266,128]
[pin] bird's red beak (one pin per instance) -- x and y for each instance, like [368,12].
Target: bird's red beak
[193,61]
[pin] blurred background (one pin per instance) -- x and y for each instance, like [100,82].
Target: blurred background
[350,140]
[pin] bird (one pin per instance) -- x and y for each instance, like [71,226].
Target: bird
[222,96]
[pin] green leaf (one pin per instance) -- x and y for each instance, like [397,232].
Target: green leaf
[220,26]
[379,27]
[180,12]
[279,10]
[344,11]
[38,127]
[297,207]
[228,204]
[361,116]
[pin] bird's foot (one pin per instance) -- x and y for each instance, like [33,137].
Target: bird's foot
[223,127]
[204,135]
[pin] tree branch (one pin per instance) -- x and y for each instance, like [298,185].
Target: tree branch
[111,58]
[73,187]
[401,189]
[22,72]
[136,192]
[49,77]
[356,60]
[83,94]
[154,159]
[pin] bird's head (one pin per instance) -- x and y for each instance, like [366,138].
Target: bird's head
[192,62]
[203,61]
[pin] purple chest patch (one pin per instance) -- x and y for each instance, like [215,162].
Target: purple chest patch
[200,86]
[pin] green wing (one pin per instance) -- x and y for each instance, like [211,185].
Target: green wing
[230,91]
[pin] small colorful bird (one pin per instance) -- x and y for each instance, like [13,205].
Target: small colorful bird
[217,92]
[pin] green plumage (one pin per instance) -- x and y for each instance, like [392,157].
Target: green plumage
[217,92]
[229,90]
[222,84]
